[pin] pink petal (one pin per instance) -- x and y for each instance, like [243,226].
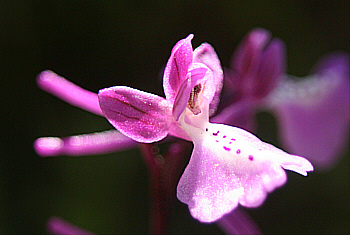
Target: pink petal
[237,109]
[142,116]
[247,57]
[206,54]
[238,222]
[230,166]
[88,144]
[271,68]
[231,91]
[69,92]
[177,67]
[195,76]
[239,114]
[313,114]
[59,226]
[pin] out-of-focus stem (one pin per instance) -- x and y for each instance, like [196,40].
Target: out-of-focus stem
[164,173]
[158,191]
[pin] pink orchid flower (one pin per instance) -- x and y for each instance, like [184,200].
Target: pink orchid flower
[229,166]
[256,67]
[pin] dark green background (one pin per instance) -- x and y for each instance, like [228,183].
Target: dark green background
[98,44]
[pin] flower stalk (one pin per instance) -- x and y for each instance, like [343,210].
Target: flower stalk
[163,176]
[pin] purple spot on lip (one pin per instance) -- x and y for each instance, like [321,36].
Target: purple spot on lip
[238,151]
[216,133]
[206,129]
[224,136]
[233,139]
[217,141]
[230,143]
[250,157]
[227,149]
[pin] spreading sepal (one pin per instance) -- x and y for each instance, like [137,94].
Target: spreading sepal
[142,116]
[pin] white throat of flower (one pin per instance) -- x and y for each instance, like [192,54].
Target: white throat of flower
[194,120]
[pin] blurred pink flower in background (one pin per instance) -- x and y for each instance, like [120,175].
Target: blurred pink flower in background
[313,113]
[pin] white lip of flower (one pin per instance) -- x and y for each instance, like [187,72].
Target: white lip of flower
[196,114]
[228,166]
